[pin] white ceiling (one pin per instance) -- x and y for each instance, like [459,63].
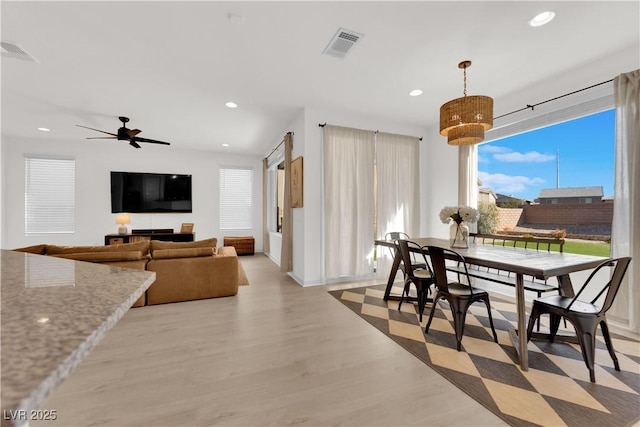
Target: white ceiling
[171,66]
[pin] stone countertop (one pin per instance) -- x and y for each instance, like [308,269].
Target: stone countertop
[54,311]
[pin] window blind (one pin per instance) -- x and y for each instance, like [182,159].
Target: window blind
[236,198]
[50,193]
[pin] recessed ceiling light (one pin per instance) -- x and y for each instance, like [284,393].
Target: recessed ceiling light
[542,18]
[231,104]
[415,92]
[44,129]
[225,145]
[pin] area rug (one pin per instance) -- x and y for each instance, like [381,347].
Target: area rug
[243,280]
[555,391]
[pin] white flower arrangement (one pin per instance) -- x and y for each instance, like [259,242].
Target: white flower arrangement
[459,214]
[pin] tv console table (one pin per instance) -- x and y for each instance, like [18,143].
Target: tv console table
[138,235]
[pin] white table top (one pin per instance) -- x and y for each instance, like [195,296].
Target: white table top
[54,311]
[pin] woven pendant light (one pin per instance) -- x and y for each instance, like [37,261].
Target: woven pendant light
[464,120]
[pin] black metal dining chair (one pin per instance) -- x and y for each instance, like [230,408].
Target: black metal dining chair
[459,295]
[585,316]
[417,273]
[393,236]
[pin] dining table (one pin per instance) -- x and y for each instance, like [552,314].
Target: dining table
[519,261]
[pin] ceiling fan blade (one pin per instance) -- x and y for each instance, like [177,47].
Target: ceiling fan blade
[133,132]
[152,141]
[97,130]
[134,144]
[103,137]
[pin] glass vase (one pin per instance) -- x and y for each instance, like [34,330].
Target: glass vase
[459,235]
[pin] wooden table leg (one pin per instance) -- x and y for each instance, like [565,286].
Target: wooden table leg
[392,275]
[519,338]
[566,288]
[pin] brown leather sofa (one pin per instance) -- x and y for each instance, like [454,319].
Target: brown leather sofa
[184,270]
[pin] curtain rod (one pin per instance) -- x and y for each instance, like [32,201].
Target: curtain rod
[532,106]
[376,131]
[278,146]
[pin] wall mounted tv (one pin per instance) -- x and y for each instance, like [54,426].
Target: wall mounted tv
[134,192]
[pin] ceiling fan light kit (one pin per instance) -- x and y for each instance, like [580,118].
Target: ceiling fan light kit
[125,134]
[464,120]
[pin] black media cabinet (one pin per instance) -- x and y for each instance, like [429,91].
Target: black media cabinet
[165,234]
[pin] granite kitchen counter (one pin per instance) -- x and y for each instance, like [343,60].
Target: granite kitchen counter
[54,311]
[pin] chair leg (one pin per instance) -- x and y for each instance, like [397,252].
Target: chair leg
[533,317]
[405,290]
[607,340]
[421,298]
[588,346]
[538,323]
[433,309]
[488,304]
[459,311]
[554,325]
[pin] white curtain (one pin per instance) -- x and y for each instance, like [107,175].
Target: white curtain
[286,252]
[348,201]
[397,176]
[398,190]
[468,178]
[625,240]
[468,175]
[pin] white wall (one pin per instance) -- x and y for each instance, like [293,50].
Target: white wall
[94,161]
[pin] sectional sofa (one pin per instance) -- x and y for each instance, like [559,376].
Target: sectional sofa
[184,270]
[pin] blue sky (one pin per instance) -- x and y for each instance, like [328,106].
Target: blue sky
[524,164]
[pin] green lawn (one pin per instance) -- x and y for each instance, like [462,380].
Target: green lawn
[587,248]
[582,247]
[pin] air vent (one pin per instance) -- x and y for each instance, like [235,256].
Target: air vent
[342,42]
[11,50]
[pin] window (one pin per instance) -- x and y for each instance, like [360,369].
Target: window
[236,198]
[49,194]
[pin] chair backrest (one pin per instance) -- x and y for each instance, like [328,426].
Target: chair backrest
[611,287]
[438,257]
[407,248]
[394,236]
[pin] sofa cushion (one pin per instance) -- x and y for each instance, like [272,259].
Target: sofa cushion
[142,246]
[182,253]
[103,256]
[207,243]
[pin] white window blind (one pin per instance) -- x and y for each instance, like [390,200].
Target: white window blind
[236,198]
[49,194]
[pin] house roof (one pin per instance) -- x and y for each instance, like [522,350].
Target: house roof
[557,193]
[171,66]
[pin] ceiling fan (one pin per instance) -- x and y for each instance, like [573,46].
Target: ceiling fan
[125,134]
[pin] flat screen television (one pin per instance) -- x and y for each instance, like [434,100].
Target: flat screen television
[134,192]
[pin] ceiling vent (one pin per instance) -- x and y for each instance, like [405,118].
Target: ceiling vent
[342,42]
[11,50]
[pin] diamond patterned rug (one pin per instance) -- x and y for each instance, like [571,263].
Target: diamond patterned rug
[555,391]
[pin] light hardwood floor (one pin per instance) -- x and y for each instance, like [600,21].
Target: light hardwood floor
[276,354]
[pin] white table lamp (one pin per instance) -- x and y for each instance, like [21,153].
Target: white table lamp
[122,220]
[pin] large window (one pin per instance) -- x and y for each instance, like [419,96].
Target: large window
[236,198]
[49,194]
[576,153]
[574,159]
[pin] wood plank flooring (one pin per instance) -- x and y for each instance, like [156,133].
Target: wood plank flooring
[276,354]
